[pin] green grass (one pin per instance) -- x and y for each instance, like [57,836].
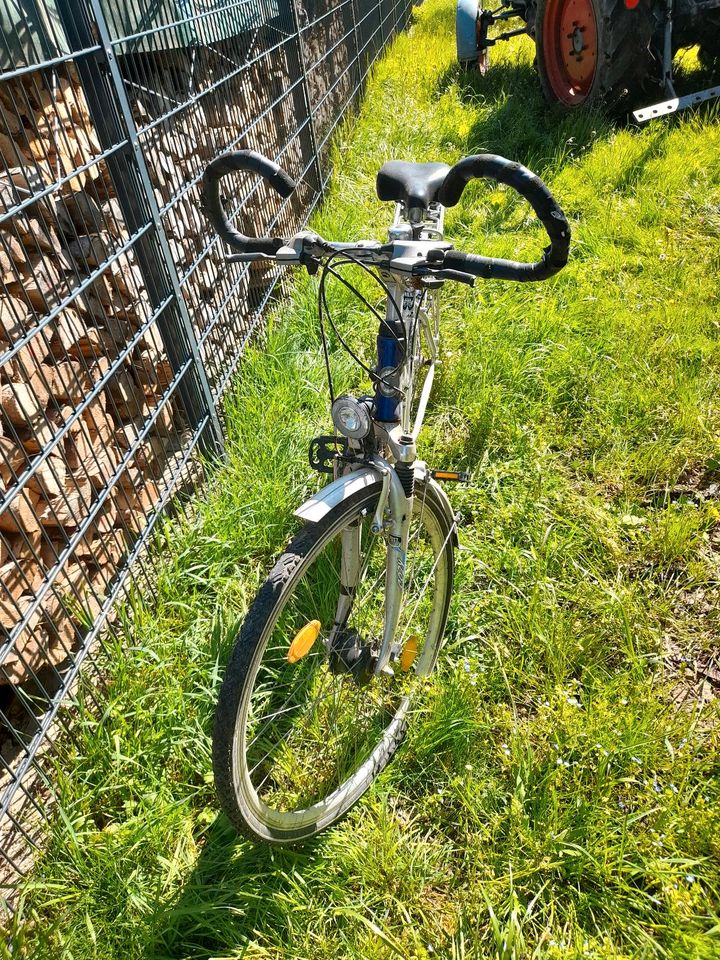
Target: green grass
[553,800]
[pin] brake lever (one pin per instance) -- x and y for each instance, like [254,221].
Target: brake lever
[457,275]
[248,257]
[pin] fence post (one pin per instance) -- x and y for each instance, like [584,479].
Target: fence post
[113,120]
[306,95]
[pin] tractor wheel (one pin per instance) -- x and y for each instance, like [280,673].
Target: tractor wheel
[593,51]
[466,20]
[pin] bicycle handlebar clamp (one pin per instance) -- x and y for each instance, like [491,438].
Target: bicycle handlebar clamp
[254,163]
[528,185]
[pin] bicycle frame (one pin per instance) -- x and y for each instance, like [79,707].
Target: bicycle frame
[413,312]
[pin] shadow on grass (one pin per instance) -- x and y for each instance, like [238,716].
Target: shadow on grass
[237,890]
[514,119]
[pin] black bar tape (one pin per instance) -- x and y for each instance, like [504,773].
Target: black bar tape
[252,162]
[528,185]
[490,268]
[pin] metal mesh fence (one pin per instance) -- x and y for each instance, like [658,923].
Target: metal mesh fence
[120,323]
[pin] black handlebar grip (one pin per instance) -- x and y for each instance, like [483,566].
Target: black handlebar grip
[528,185]
[254,163]
[490,268]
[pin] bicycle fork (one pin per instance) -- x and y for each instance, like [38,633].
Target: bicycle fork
[398,505]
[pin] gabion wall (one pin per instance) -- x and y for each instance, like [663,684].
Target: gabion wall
[120,323]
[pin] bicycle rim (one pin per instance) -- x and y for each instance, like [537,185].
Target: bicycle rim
[310,739]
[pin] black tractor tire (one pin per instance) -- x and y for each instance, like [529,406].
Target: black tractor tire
[624,59]
[710,43]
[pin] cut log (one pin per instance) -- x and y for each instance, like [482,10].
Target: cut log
[77,445]
[74,379]
[39,145]
[34,234]
[128,399]
[69,509]
[153,371]
[42,284]
[113,217]
[20,404]
[135,507]
[73,338]
[94,302]
[101,465]
[13,261]
[21,514]
[77,213]
[91,251]
[164,422]
[67,330]
[51,476]
[27,367]
[114,334]
[17,578]
[127,279]
[36,438]
[11,612]
[13,319]
[25,547]
[99,423]
[10,122]
[107,519]
[11,152]
[13,462]
[143,458]
[61,631]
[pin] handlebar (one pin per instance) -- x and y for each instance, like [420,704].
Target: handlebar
[528,185]
[254,163]
[445,264]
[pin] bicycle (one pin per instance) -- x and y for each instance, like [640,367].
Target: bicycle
[317,691]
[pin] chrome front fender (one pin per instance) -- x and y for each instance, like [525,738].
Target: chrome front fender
[322,502]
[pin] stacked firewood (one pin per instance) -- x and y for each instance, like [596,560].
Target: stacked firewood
[85,423]
[249,109]
[75,398]
[327,59]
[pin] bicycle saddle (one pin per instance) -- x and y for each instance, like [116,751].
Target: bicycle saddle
[414,184]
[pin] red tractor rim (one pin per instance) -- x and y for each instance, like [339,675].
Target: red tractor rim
[570,49]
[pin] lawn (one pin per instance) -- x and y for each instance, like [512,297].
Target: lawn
[558,796]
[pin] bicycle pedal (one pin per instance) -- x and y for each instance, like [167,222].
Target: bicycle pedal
[324,451]
[455,476]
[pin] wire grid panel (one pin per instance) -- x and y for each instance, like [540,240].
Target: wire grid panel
[120,322]
[98,418]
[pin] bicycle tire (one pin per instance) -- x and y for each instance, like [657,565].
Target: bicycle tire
[238,796]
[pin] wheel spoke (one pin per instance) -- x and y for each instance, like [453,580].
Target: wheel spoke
[311,726]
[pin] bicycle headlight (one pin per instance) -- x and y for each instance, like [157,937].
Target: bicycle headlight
[352,417]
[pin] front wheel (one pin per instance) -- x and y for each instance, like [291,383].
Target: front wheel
[593,51]
[303,726]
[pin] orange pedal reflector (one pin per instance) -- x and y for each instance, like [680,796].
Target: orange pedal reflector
[304,639]
[409,652]
[458,476]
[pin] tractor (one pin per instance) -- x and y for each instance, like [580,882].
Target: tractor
[610,52]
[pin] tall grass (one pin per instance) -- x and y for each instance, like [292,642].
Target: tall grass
[552,800]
